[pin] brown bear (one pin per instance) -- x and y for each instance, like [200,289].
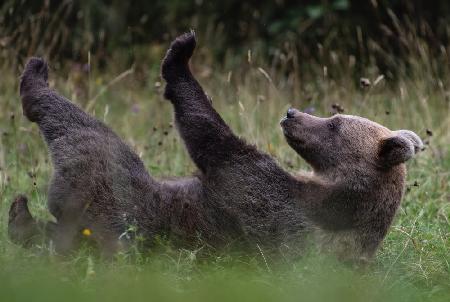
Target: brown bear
[239,195]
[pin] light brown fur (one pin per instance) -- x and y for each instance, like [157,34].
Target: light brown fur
[358,181]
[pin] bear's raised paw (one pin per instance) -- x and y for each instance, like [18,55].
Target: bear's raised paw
[35,74]
[178,55]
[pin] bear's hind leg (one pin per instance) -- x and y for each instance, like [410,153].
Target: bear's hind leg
[55,115]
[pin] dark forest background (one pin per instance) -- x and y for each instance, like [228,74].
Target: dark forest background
[74,30]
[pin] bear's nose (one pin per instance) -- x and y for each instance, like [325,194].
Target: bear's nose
[291,113]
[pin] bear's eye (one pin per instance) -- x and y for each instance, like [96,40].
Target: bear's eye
[331,126]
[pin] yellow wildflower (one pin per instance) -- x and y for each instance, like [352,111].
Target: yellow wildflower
[86,232]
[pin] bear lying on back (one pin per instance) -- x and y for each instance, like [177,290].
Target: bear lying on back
[241,194]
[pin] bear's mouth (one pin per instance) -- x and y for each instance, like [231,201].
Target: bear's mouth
[285,120]
[284,126]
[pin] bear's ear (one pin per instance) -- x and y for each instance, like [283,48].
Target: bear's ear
[399,148]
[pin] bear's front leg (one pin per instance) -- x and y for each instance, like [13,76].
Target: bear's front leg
[208,138]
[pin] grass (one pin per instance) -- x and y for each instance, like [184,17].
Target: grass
[412,265]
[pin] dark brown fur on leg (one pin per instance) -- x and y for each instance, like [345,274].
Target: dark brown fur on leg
[208,138]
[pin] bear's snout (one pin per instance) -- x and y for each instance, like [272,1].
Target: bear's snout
[290,114]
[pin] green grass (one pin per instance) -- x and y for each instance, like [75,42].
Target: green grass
[412,265]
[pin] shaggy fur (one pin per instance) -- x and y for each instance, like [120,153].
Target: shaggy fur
[241,194]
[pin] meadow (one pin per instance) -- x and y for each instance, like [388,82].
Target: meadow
[252,95]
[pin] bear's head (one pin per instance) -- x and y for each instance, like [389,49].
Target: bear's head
[345,144]
[358,179]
